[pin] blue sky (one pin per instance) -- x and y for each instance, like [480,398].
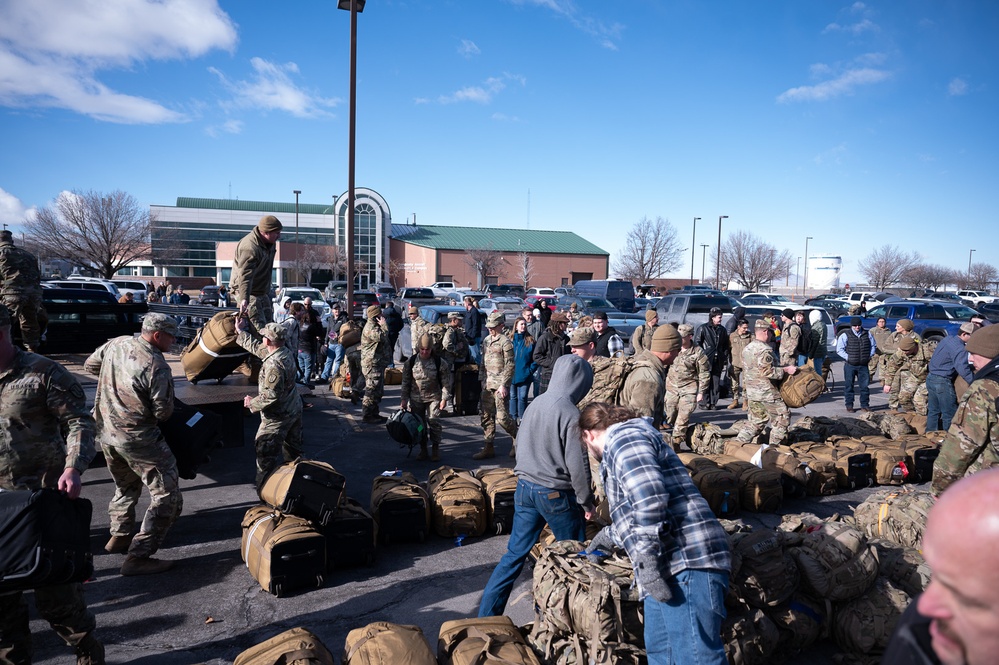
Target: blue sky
[858,124]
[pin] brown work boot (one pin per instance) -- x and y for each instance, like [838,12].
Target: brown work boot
[487,452]
[745,404]
[119,544]
[144,566]
[90,651]
[734,404]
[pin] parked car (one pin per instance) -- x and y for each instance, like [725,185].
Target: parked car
[773,297]
[442,288]
[416,297]
[385,294]
[533,301]
[755,312]
[510,307]
[362,301]
[431,314]
[209,295]
[563,291]
[692,308]
[990,311]
[515,290]
[930,319]
[587,305]
[860,296]
[542,291]
[836,308]
[300,293]
[619,292]
[824,296]
[458,297]
[977,298]
[84,284]
[83,319]
[137,288]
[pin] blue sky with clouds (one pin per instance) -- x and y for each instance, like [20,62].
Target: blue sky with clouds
[857,124]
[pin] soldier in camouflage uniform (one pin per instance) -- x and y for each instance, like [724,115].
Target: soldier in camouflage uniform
[426,388]
[689,376]
[375,357]
[903,330]
[738,340]
[455,349]
[905,372]
[496,374]
[880,333]
[790,336]
[134,395]
[252,266]
[644,388]
[417,326]
[46,440]
[20,289]
[641,339]
[972,442]
[279,437]
[765,403]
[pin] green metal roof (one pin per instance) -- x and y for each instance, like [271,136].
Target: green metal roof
[501,240]
[254,206]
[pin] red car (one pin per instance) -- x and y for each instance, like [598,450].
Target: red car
[533,301]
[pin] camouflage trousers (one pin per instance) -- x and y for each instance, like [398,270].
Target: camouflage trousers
[353,366]
[260,309]
[677,411]
[131,466]
[431,412]
[760,413]
[24,309]
[875,363]
[492,410]
[921,399]
[62,605]
[374,388]
[735,374]
[903,392]
[278,440]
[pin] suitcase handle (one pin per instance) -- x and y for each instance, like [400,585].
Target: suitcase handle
[302,555]
[312,479]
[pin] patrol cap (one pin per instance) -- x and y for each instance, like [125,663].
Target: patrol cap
[4,316]
[762,324]
[495,320]
[455,315]
[156,322]
[685,329]
[984,342]
[906,324]
[969,328]
[651,314]
[907,344]
[274,332]
[666,339]
[373,312]
[582,336]
[269,223]
[6,236]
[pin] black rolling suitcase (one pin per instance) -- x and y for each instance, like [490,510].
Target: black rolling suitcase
[467,390]
[500,486]
[400,507]
[350,537]
[860,471]
[282,552]
[191,433]
[44,539]
[306,488]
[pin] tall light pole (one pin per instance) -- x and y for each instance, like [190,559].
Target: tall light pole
[704,253]
[718,259]
[354,7]
[969,263]
[804,287]
[296,192]
[797,272]
[693,246]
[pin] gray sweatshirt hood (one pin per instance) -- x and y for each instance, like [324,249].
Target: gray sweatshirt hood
[572,377]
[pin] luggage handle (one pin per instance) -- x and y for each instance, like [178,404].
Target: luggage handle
[304,654]
[312,479]
[302,555]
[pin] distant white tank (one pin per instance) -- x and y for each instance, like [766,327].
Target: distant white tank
[823,272]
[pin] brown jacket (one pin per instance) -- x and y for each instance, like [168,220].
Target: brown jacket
[252,266]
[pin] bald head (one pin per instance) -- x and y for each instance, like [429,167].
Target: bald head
[961,546]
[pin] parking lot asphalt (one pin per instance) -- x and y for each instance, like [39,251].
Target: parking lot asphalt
[208,608]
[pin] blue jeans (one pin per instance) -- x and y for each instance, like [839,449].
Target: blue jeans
[475,351]
[817,364]
[942,403]
[334,356]
[802,360]
[862,376]
[533,506]
[536,381]
[305,365]
[687,629]
[518,399]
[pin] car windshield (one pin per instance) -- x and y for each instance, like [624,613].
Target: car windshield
[419,293]
[596,303]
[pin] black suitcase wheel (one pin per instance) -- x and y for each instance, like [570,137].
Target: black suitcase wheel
[499,528]
[277,590]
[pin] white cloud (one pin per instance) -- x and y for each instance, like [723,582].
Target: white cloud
[468,49]
[607,35]
[957,87]
[862,26]
[12,211]
[833,155]
[51,51]
[844,84]
[272,88]
[485,93]
[227,127]
[503,117]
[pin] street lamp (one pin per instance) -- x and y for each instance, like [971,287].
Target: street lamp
[693,246]
[704,251]
[296,192]
[718,259]
[804,287]
[797,271]
[969,260]
[354,7]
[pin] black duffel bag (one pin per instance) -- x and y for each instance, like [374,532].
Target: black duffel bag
[191,433]
[44,539]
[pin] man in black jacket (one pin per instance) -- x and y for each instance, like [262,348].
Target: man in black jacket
[608,344]
[713,340]
[393,319]
[473,329]
[552,344]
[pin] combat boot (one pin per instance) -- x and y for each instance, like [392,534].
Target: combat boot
[487,452]
[734,404]
[90,651]
[119,544]
[423,453]
[144,566]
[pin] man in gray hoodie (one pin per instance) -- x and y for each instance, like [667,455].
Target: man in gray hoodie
[553,476]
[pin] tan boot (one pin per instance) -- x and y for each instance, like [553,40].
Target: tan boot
[745,404]
[90,651]
[487,452]
[119,544]
[144,566]
[734,404]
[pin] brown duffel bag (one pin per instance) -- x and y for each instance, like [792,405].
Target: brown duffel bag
[297,646]
[802,387]
[385,643]
[282,552]
[214,353]
[475,641]
[457,502]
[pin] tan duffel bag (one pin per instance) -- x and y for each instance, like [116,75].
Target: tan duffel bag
[384,643]
[297,646]
[481,640]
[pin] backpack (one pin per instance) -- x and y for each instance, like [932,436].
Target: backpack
[800,622]
[706,439]
[767,574]
[474,641]
[609,375]
[407,428]
[904,566]
[801,388]
[835,561]
[457,502]
[895,515]
[749,637]
[865,624]
[760,490]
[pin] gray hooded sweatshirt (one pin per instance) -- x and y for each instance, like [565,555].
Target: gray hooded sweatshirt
[550,451]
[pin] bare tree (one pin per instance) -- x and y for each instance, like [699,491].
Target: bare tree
[886,266]
[485,261]
[394,270]
[315,257]
[925,276]
[651,250]
[525,268]
[982,276]
[105,232]
[751,262]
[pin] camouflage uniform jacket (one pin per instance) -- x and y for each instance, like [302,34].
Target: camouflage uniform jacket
[761,372]
[426,381]
[739,344]
[251,266]
[892,340]
[277,394]
[455,345]
[497,362]
[902,364]
[45,426]
[375,351]
[417,327]
[789,338]
[644,389]
[690,373]
[641,339]
[134,391]
[19,273]
[972,442]
[880,336]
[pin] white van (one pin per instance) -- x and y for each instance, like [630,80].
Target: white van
[137,288]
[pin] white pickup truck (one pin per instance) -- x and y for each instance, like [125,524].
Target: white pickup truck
[441,289]
[979,298]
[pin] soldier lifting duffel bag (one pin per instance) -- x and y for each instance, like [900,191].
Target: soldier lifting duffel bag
[214,353]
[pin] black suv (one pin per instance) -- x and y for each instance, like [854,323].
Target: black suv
[691,308]
[362,300]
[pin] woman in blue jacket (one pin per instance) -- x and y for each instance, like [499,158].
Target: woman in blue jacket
[523,367]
